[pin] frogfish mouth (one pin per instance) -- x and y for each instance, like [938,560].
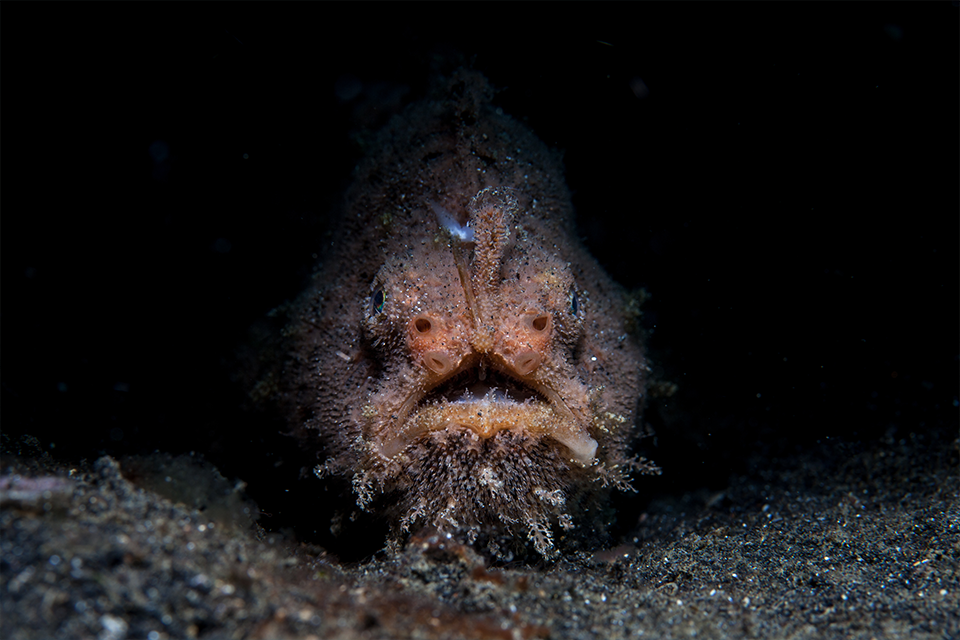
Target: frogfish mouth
[459,356]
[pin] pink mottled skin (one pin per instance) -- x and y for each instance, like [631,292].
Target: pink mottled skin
[459,356]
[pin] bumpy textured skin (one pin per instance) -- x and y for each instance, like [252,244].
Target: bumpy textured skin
[477,385]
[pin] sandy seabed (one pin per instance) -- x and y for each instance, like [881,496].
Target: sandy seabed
[843,542]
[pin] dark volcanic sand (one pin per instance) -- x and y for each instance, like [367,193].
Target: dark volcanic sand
[846,542]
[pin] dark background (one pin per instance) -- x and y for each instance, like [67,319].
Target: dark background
[782,180]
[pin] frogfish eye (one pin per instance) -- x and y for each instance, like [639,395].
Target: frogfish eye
[379,300]
[574,302]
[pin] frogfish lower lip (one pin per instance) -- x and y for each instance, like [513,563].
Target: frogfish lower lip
[495,411]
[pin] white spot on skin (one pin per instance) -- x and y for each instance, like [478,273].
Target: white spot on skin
[447,221]
[488,478]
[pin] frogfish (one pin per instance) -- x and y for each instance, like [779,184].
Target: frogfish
[458,357]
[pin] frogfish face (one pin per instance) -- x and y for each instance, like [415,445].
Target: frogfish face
[489,340]
[480,412]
